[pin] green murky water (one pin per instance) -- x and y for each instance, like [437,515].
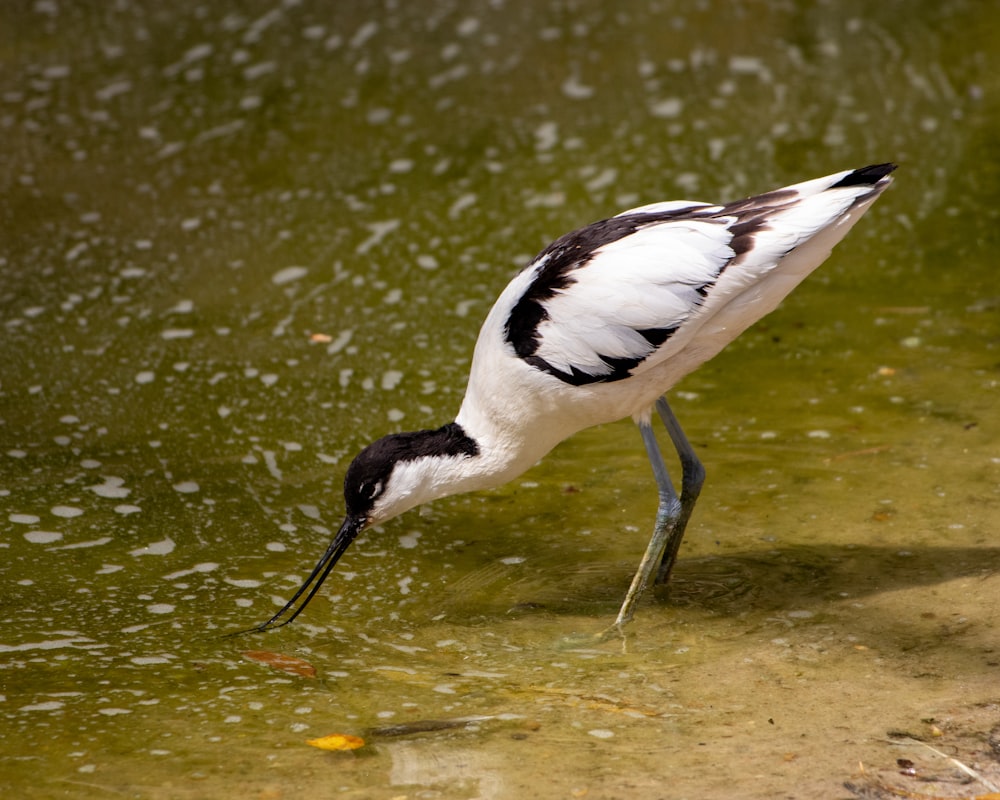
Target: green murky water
[190,192]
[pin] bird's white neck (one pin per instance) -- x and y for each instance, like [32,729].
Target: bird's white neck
[405,470]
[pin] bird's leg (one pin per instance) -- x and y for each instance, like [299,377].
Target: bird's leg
[668,514]
[672,514]
[692,478]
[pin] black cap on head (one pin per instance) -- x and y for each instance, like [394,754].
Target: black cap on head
[368,475]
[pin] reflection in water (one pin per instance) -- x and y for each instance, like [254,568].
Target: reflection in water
[447,765]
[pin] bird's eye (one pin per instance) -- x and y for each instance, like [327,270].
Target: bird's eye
[369,491]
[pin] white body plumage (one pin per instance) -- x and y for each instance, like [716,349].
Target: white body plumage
[518,413]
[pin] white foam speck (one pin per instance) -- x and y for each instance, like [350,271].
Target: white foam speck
[409,541]
[125,508]
[24,519]
[50,705]
[160,548]
[242,583]
[746,65]
[395,415]
[182,307]
[186,487]
[339,343]
[818,434]
[275,547]
[310,511]
[546,135]
[379,231]
[112,487]
[49,644]
[176,333]
[391,379]
[67,512]
[462,203]
[271,462]
[107,569]
[89,463]
[601,733]
[146,376]
[160,608]
[146,660]
[667,109]
[288,274]
[114,712]
[207,566]
[575,89]
[42,537]
[81,545]
[467,26]
[603,180]
[511,560]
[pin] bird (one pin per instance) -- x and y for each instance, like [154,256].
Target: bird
[597,328]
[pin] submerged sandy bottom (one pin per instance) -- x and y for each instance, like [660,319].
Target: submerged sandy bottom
[793,697]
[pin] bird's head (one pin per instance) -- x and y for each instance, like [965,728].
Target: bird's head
[390,476]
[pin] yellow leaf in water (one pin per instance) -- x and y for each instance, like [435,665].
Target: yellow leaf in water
[337,741]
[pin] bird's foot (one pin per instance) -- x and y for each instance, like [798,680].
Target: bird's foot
[575,641]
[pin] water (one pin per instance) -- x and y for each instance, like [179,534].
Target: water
[238,244]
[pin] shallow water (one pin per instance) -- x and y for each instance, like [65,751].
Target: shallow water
[191,194]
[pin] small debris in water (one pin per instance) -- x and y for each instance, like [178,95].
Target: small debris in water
[425,726]
[906,767]
[289,664]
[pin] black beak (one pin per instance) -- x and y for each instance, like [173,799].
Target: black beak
[349,530]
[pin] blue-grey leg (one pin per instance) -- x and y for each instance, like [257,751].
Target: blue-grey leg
[672,513]
[692,479]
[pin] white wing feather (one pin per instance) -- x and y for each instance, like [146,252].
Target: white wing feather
[650,279]
[647,280]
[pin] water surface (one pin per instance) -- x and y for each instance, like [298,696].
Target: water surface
[238,243]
